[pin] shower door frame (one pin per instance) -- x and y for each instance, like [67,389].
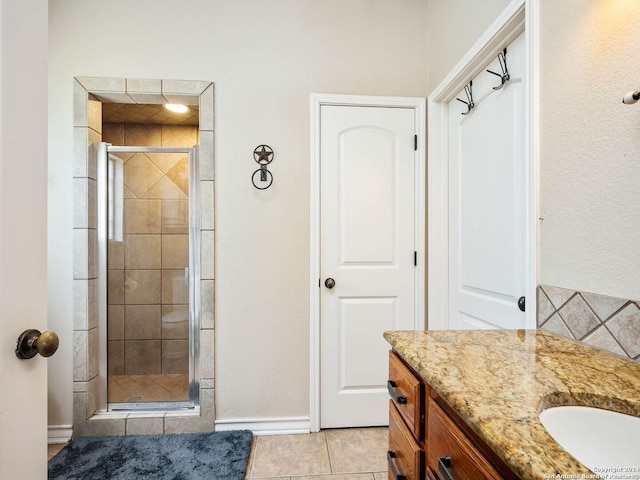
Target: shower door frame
[194,278]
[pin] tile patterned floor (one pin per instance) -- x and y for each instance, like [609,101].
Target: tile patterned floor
[345,454]
[148,388]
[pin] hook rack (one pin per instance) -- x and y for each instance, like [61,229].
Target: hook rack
[505,76]
[263,155]
[468,89]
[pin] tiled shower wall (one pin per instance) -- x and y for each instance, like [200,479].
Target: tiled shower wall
[148,299]
[609,323]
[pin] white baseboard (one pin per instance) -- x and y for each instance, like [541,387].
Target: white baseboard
[266,426]
[59,433]
[259,426]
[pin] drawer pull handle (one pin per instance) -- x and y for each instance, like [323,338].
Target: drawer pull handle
[443,466]
[397,476]
[399,399]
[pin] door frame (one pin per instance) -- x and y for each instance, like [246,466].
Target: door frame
[90,93]
[519,16]
[318,100]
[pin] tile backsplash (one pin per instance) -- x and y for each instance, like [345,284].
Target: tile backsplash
[605,322]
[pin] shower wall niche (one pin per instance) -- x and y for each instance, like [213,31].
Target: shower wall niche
[163,345]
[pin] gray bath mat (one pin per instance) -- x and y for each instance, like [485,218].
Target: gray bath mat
[187,456]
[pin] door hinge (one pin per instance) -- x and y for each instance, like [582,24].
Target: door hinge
[415,259]
[415,142]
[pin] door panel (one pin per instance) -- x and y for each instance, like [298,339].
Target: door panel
[367,245]
[23,237]
[489,157]
[487,202]
[367,155]
[361,320]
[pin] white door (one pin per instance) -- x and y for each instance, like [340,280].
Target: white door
[23,234]
[487,200]
[367,163]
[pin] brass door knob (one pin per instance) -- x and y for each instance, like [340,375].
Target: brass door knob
[31,342]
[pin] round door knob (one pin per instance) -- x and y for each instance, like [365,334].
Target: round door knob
[31,342]
[329,283]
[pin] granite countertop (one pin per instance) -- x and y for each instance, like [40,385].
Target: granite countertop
[498,381]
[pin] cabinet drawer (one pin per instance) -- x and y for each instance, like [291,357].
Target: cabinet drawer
[405,456]
[407,393]
[446,440]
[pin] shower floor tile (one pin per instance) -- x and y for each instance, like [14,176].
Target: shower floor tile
[148,388]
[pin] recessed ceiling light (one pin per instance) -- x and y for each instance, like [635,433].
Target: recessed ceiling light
[176,107]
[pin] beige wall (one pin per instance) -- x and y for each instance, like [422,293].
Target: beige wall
[265,58]
[590,146]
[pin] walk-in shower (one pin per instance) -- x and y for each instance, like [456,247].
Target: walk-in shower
[148,287]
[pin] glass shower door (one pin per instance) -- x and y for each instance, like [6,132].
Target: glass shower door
[151,296]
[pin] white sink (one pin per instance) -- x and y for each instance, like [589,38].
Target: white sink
[600,439]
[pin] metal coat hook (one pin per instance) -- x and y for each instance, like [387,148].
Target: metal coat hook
[505,76]
[468,89]
[263,155]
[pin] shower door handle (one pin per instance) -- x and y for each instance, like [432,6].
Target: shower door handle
[186,275]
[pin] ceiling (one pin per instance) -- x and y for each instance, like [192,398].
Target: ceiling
[145,113]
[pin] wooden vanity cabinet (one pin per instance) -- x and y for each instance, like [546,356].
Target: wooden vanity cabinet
[454,451]
[427,439]
[406,390]
[405,456]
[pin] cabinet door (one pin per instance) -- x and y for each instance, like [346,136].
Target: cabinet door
[405,456]
[449,450]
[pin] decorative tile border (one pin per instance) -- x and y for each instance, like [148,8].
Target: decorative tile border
[88,95]
[609,323]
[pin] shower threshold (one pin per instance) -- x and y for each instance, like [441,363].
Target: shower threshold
[145,407]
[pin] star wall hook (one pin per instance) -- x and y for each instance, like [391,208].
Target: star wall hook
[263,155]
